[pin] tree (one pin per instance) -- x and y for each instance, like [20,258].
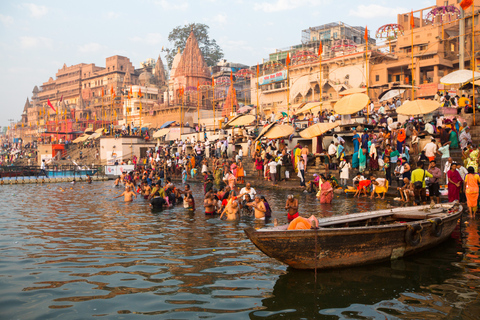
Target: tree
[212,53]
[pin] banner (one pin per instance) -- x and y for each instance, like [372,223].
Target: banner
[117,170]
[274,77]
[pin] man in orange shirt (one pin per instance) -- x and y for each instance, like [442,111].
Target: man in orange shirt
[401,136]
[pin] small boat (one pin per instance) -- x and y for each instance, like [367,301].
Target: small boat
[361,238]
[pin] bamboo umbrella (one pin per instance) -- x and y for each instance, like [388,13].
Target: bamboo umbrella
[243,120]
[264,130]
[352,91]
[351,104]
[160,133]
[308,107]
[417,107]
[318,129]
[279,131]
[459,77]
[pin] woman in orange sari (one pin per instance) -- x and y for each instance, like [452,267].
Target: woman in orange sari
[240,172]
[471,190]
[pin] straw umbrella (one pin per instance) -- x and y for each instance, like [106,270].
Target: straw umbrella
[279,131]
[242,120]
[351,104]
[352,91]
[459,77]
[318,129]
[418,107]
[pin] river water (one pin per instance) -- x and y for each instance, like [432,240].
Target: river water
[73,252]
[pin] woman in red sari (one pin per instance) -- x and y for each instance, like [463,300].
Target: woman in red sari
[327,191]
[454,183]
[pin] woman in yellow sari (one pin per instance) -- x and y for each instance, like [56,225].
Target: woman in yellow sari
[472,160]
[298,155]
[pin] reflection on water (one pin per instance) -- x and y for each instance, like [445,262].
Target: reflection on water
[72,251]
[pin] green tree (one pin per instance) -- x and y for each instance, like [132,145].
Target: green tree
[212,53]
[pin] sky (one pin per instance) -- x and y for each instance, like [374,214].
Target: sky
[38,37]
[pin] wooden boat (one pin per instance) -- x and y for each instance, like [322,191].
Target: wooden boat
[361,238]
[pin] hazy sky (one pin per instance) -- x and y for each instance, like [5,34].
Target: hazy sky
[38,37]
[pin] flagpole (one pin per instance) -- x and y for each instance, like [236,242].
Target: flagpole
[111,118]
[320,52]
[257,115]
[288,88]
[473,60]
[213,102]
[198,111]
[412,25]
[181,114]
[367,76]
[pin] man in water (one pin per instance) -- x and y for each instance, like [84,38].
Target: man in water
[260,209]
[128,194]
[117,181]
[292,207]
[89,179]
[231,210]
[248,190]
[209,203]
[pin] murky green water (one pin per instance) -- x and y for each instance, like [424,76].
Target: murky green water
[78,253]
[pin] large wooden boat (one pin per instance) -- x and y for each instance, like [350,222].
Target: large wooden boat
[358,239]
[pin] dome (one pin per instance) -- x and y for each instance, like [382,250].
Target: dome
[176,61]
[145,78]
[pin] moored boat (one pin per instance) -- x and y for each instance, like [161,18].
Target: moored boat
[361,238]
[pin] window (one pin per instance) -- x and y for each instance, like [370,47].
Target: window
[397,77]
[389,78]
[121,67]
[377,78]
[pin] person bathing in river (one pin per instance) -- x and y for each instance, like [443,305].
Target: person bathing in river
[117,182]
[231,210]
[292,207]
[260,209]
[128,194]
[210,204]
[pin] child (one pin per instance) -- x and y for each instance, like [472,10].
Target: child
[344,168]
[184,176]
[388,173]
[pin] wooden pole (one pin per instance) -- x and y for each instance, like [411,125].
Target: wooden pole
[367,77]
[473,61]
[198,112]
[413,70]
[288,93]
[257,115]
[321,80]
[213,103]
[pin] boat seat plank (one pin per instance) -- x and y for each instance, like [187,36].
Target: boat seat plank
[348,219]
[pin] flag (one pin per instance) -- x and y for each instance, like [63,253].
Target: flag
[231,76]
[61,98]
[213,81]
[50,104]
[102,92]
[287,61]
[366,34]
[320,49]
[465,4]
[139,92]
[198,86]
[87,116]
[111,90]
[258,71]
[412,21]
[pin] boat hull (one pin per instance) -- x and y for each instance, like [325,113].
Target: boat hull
[345,247]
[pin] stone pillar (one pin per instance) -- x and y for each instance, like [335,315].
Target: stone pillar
[436,78]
